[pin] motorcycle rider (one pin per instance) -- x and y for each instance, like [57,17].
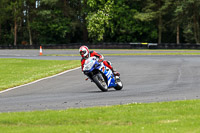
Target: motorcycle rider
[85,53]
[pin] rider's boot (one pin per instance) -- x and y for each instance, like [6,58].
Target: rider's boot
[115,72]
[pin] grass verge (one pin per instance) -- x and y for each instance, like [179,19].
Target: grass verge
[14,72]
[165,117]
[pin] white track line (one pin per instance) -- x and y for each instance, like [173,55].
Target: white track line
[38,80]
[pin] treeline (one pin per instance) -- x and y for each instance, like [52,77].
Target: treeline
[32,22]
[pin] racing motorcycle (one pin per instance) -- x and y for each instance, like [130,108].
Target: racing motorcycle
[101,75]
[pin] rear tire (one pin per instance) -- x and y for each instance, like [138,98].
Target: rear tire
[100,82]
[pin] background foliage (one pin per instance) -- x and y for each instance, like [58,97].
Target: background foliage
[32,22]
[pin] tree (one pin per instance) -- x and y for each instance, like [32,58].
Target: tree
[2,14]
[4,9]
[178,18]
[114,21]
[126,27]
[192,17]
[76,11]
[49,25]
[17,12]
[99,20]
[29,9]
[154,10]
[69,21]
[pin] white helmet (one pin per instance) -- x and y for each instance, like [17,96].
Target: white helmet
[84,51]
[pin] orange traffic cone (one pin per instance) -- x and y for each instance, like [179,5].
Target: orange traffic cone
[40,50]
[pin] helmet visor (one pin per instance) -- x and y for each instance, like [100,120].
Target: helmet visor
[82,52]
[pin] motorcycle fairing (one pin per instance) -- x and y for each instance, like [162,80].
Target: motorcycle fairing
[108,73]
[102,68]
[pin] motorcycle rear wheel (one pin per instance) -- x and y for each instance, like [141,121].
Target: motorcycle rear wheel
[100,82]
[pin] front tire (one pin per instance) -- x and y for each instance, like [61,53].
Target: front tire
[119,84]
[100,82]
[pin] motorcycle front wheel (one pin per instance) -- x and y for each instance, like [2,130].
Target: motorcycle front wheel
[119,84]
[100,82]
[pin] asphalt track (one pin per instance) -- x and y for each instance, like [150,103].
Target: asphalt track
[146,79]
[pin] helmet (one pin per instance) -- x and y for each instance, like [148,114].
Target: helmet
[84,51]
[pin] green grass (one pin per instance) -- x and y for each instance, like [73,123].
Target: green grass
[14,72]
[165,117]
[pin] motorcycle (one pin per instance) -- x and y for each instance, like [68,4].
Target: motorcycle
[101,75]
